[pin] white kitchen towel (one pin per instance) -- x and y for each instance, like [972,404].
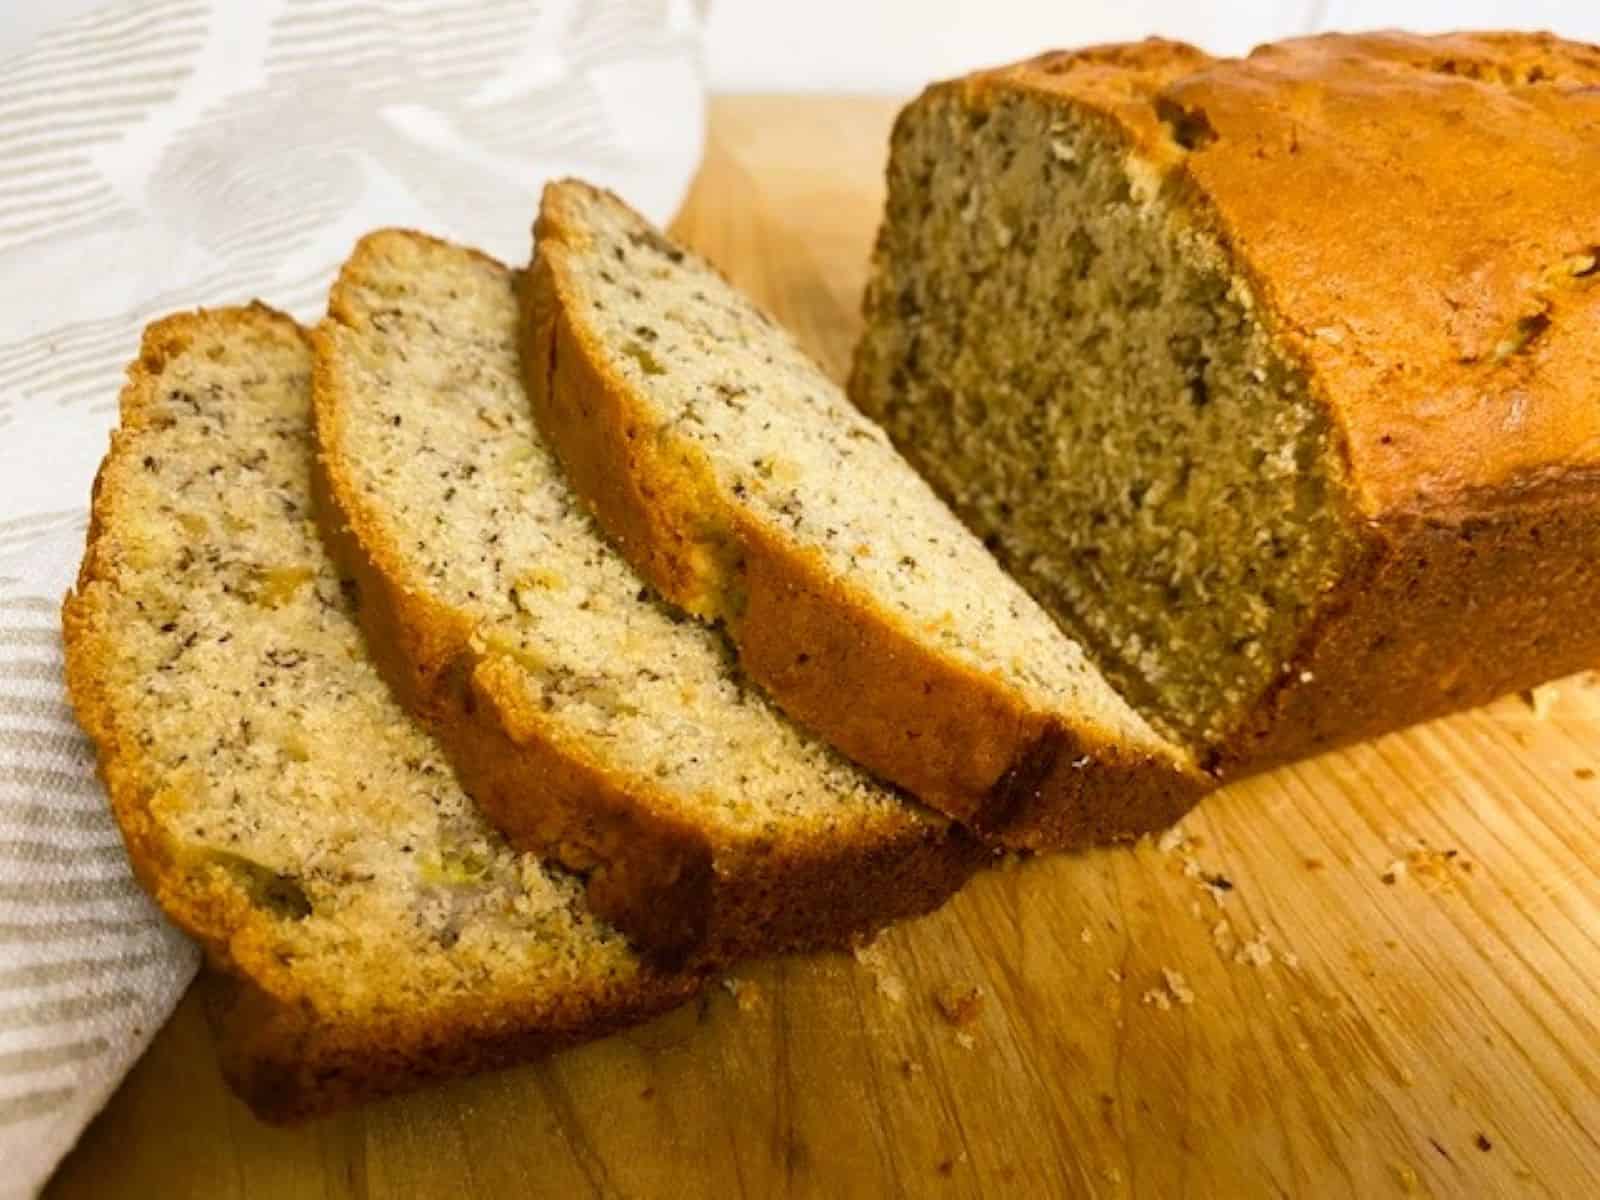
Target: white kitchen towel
[163,154]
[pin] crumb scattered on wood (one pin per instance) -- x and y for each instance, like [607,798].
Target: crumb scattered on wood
[1432,869]
[1255,951]
[965,1040]
[959,1006]
[1584,773]
[746,994]
[890,986]
[1086,935]
[1541,699]
[1483,1143]
[1174,989]
[910,1069]
[1177,985]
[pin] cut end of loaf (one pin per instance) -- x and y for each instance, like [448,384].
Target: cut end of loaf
[1062,347]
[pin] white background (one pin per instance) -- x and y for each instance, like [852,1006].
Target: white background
[897,45]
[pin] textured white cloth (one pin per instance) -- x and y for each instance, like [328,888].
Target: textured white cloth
[164,154]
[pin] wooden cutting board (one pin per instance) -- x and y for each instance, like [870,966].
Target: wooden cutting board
[1371,974]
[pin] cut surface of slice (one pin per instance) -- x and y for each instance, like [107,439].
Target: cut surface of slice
[737,477]
[589,719]
[275,800]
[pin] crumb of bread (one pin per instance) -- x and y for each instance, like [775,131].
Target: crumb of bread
[1541,699]
[959,1006]
[1086,935]
[1431,868]
[1222,936]
[1171,840]
[1584,773]
[965,1040]
[747,994]
[889,985]
[1255,951]
[1174,989]
[1410,1184]
[910,1068]
[868,953]
[1177,986]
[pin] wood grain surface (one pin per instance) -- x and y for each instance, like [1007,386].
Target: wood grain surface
[1371,974]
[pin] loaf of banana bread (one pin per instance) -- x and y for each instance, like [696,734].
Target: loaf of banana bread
[1272,378]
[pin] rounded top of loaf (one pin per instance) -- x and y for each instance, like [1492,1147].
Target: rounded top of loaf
[1414,216]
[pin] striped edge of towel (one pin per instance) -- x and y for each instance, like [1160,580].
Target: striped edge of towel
[89,969]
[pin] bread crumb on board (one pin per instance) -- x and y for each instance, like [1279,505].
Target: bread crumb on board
[1256,951]
[746,993]
[890,986]
[1174,989]
[1541,699]
[958,1005]
[1432,869]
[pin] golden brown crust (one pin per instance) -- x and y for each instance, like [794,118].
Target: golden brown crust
[688,895]
[1445,311]
[288,1051]
[956,738]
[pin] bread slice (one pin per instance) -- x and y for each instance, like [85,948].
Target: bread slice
[738,479]
[1302,454]
[275,800]
[588,719]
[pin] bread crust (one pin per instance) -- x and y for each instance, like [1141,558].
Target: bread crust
[1458,388]
[691,895]
[285,1048]
[956,738]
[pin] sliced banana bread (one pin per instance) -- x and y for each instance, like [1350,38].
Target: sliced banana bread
[589,719]
[275,800]
[736,476]
[1272,377]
